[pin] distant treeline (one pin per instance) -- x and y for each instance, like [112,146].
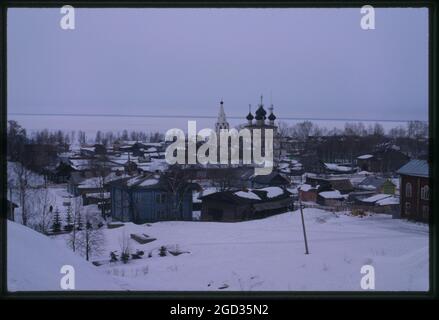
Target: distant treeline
[17,135]
[413,129]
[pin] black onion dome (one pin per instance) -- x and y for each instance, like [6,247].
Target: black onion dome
[250,116]
[260,113]
[271,117]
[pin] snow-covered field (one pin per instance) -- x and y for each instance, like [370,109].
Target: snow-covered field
[266,254]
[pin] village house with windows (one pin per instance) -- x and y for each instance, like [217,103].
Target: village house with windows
[415,190]
[147,197]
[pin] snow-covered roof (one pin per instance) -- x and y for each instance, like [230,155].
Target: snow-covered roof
[306,187]
[94,182]
[377,197]
[331,194]
[104,195]
[142,181]
[367,187]
[371,183]
[79,164]
[417,168]
[248,195]
[204,192]
[336,167]
[365,156]
[273,192]
[283,165]
[388,201]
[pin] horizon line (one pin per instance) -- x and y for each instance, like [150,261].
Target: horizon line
[199,116]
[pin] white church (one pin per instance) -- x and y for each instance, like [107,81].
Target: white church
[259,121]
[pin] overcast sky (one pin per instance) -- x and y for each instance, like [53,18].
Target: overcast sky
[316,63]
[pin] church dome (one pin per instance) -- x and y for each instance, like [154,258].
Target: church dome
[250,116]
[260,113]
[271,117]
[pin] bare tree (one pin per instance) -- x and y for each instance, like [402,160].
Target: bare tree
[100,170]
[303,130]
[16,138]
[82,138]
[99,137]
[224,180]
[76,208]
[417,129]
[397,132]
[378,130]
[22,184]
[178,183]
[125,247]
[90,239]
[283,129]
[42,202]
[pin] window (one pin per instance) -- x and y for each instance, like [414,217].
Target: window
[408,189]
[425,212]
[407,208]
[425,193]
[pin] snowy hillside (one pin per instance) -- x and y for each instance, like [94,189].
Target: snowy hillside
[266,254]
[34,263]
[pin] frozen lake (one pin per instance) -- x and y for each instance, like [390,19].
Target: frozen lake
[92,123]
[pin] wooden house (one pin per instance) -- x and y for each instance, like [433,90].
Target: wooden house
[415,190]
[148,198]
[308,193]
[332,198]
[383,160]
[245,204]
[343,185]
[377,184]
[275,178]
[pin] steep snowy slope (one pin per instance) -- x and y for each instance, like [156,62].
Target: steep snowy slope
[34,264]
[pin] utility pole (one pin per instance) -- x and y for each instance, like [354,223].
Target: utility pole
[303,224]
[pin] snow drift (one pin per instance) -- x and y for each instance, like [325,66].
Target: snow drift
[34,263]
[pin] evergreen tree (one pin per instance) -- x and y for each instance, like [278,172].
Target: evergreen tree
[124,257]
[113,256]
[162,251]
[56,225]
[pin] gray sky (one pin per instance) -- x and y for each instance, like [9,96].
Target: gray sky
[317,63]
